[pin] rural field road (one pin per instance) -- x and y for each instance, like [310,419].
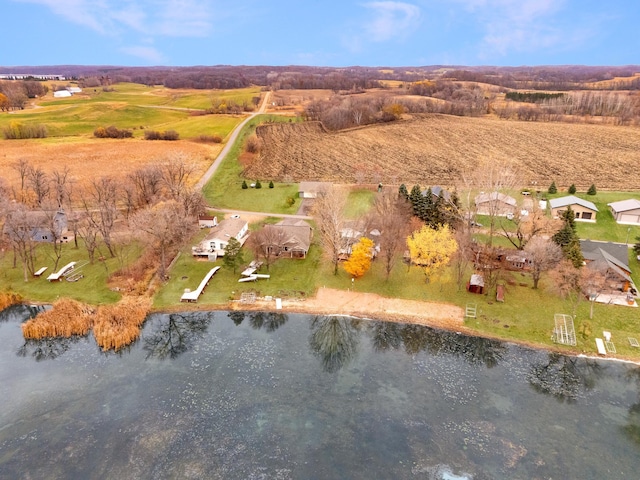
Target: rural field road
[232,139]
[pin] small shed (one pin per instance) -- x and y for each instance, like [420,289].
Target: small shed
[476,284]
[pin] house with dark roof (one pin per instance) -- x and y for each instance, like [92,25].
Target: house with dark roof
[42,226]
[626,212]
[288,238]
[438,192]
[584,210]
[611,259]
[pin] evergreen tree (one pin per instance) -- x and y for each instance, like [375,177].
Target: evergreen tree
[572,189]
[271,184]
[553,188]
[244,185]
[636,247]
[258,184]
[567,238]
[415,197]
[402,191]
[233,254]
[592,189]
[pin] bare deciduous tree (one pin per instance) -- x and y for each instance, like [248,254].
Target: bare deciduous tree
[392,215]
[328,211]
[175,173]
[39,183]
[267,243]
[543,255]
[164,226]
[147,184]
[19,230]
[102,198]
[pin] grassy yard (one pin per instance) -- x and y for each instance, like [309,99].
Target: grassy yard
[359,203]
[224,190]
[91,289]
[605,228]
[526,315]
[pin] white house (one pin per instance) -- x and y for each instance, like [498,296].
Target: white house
[213,245]
[626,212]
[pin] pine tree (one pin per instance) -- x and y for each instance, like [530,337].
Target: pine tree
[567,238]
[592,189]
[271,184]
[572,189]
[553,188]
[415,197]
[402,191]
[244,185]
[258,184]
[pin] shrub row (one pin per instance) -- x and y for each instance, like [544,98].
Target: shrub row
[17,131]
[112,132]
[166,135]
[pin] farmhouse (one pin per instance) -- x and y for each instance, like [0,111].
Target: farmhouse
[585,210]
[626,212]
[213,245]
[611,259]
[288,238]
[40,226]
[495,203]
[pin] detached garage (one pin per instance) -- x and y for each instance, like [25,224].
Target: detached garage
[626,212]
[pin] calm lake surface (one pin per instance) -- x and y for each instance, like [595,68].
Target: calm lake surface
[220,395]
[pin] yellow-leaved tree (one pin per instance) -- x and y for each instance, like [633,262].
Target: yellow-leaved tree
[431,248]
[360,260]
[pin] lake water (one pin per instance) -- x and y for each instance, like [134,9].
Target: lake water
[220,395]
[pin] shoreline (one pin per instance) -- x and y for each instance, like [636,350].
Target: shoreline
[430,314]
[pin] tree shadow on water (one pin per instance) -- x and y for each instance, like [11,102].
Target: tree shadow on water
[176,334]
[334,340]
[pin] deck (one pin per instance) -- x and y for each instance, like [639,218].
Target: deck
[192,296]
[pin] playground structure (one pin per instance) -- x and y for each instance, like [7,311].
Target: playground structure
[564,331]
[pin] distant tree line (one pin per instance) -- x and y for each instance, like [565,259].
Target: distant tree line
[532,97]
[14,94]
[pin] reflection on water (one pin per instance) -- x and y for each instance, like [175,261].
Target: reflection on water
[268,395]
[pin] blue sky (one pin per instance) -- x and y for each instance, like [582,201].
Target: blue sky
[320,32]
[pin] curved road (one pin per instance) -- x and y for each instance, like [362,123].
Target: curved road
[232,139]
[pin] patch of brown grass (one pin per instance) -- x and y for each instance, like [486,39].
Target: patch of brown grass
[9,298]
[66,318]
[92,158]
[117,326]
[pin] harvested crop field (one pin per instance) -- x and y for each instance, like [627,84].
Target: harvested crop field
[437,149]
[97,158]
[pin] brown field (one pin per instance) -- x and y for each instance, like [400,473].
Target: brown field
[97,158]
[434,149]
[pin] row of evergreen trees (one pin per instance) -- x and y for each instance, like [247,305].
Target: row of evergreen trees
[433,210]
[572,189]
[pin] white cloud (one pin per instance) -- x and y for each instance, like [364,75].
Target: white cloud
[519,25]
[391,20]
[149,54]
[177,18]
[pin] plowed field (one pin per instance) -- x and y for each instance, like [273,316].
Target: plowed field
[436,149]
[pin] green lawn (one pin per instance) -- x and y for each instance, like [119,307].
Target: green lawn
[359,203]
[91,289]
[224,190]
[133,107]
[605,228]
